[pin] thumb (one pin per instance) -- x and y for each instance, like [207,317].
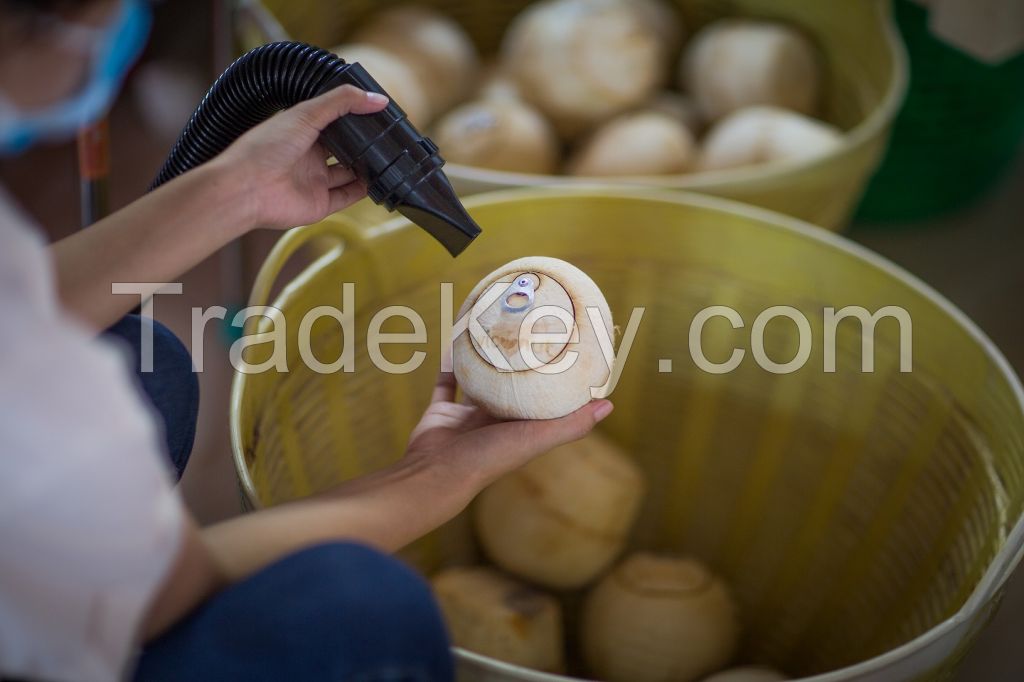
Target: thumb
[323,110]
[509,445]
[542,435]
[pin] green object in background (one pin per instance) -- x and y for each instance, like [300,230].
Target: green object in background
[229,333]
[961,125]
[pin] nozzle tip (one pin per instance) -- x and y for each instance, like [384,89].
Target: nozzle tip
[454,231]
[434,206]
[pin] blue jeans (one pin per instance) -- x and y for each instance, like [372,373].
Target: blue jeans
[340,612]
[172,387]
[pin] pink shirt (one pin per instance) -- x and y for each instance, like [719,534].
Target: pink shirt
[90,522]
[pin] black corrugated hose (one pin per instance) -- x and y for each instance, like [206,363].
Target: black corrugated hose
[256,86]
[400,167]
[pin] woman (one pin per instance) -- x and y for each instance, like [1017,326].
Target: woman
[103,573]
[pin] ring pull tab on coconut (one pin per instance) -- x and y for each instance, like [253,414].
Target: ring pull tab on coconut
[519,296]
[532,348]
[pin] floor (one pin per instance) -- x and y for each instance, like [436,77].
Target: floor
[975,258]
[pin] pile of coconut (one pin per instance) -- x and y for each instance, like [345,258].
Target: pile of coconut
[645,616]
[585,88]
[557,530]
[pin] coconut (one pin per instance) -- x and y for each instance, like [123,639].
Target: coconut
[656,618]
[491,614]
[737,63]
[531,526]
[514,375]
[394,75]
[640,143]
[764,134]
[581,61]
[436,47]
[748,673]
[503,135]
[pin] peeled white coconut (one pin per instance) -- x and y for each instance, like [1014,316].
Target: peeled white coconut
[748,673]
[764,134]
[581,61]
[681,107]
[436,47]
[491,614]
[494,360]
[394,75]
[737,63]
[564,517]
[503,135]
[640,143]
[656,618]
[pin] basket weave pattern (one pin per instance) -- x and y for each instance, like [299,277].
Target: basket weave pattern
[852,511]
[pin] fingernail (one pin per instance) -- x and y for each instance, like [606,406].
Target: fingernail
[603,409]
[376,98]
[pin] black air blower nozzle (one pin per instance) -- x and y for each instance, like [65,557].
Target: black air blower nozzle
[401,167]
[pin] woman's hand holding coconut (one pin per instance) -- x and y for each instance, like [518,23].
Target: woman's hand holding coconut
[469,449]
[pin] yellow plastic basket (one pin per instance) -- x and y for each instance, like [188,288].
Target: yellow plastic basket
[865,67]
[868,521]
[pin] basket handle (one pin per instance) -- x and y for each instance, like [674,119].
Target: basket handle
[337,228]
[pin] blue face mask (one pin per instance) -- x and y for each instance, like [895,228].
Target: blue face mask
[111,51]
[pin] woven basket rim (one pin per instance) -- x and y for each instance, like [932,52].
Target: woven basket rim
[999,568]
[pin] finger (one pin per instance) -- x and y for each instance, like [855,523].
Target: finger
[345,196]
[509,445]
[447,415]
[338,175]
[543,435]
[332,105]
[478,418]
[444,389]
